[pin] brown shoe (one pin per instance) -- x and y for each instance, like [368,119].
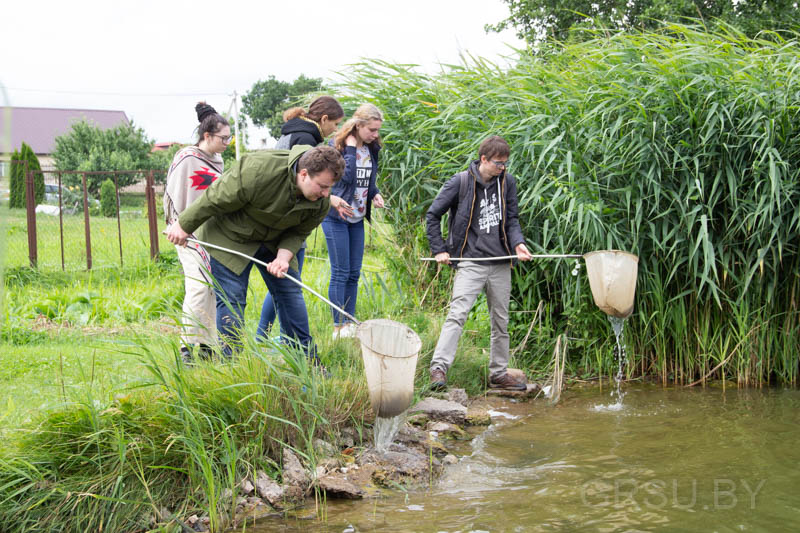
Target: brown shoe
[507,381]
[438,379]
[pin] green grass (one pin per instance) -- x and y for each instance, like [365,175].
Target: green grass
[104,235]
[102,429]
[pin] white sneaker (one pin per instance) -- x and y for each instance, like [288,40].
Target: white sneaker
[346,331]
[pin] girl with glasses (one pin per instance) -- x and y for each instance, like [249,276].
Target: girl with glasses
[193,169]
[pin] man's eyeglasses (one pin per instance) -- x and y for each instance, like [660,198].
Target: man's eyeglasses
[224,138]
[499,164]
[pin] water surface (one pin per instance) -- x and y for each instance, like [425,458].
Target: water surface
[667,460]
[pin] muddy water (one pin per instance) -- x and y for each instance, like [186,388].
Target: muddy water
[668,460]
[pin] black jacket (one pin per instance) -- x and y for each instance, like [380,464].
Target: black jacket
[458,197]
[299,131]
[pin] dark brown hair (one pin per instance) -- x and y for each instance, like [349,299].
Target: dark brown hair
[494,146]
[320,159]
[324,105]
[210,121]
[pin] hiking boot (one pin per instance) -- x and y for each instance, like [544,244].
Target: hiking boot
[507,381]
[438,379]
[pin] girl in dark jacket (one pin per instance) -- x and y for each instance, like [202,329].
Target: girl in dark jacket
[359,143]
[302,127]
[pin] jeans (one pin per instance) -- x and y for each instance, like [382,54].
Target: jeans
[231,292]
[269,310]
[346,252]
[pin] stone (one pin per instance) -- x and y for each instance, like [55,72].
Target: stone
[268,490]
[247,487]
[419,419]
[450,459]
[531,391]
[294,475]
[348,437]
[458,396]
[338,486]
[410,435]
[443,410]
[323,448]
[447,430]
[405,468]
[477,416]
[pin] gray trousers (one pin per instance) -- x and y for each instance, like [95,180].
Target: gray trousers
[472,278]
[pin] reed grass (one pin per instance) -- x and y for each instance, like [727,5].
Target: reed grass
[678,145]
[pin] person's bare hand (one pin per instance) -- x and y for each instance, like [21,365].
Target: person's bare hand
[443,258]
[176,235]
[278,267]
[342,207]
[522,253]
[377,201]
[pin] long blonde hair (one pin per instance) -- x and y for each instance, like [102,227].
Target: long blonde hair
[363,115]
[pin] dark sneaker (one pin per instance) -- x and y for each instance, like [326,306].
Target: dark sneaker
[186,356]
[438,379]
[206,352]
[506,381]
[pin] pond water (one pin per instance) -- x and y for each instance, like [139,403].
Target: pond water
[667,460]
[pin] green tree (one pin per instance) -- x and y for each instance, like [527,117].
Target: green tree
[108,198]
[267,100]
[17,194]
[16,182]
[90,148]
[535,20]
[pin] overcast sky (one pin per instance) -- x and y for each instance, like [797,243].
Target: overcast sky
[155,59]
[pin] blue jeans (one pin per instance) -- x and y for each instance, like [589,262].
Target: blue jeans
[346,252]
[269,310]
[231,290]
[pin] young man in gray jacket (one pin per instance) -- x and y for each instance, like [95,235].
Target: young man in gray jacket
[482,203]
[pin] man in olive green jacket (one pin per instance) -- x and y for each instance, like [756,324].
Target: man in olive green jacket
[264,206]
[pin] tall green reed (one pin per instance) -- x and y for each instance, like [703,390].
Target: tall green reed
[678,145]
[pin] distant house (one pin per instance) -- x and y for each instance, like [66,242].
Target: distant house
[39,127]
[158,147]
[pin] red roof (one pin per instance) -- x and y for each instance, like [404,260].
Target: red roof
[157,147]
[39,126]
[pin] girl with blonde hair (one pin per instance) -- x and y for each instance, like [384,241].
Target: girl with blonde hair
[359,142]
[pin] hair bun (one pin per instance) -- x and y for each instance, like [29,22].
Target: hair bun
[203,110]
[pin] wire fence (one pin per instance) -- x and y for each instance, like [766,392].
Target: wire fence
[67,228]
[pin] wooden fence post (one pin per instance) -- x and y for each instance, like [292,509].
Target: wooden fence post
[86,225]
[61,219]
[119,225]
[30,208]
[152,215]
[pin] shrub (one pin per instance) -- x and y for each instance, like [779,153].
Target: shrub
[17,188]
[108,199]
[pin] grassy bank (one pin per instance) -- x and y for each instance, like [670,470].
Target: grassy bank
[103,430]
